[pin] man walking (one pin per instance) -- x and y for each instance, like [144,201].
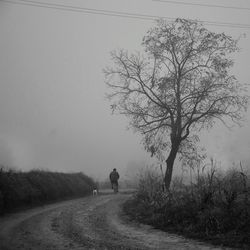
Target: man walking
[114,176]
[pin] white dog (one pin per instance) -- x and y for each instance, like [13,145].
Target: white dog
[95,192]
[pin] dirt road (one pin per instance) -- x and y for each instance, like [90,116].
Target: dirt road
[86,223]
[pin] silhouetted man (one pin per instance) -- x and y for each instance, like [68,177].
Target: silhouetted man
[114,176]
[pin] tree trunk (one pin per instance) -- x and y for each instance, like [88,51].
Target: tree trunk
[170,164]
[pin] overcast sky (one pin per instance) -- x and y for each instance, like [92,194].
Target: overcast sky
[53,111]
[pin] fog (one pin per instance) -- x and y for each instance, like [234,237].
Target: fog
[53,111]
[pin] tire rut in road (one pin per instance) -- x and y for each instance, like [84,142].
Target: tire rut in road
[95,223]
[35,229]
[89,226]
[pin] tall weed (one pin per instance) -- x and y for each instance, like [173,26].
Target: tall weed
[213,205]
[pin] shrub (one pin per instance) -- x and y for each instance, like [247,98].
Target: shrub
[19,189]
[215,204]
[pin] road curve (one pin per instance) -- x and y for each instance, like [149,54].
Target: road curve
[87,223]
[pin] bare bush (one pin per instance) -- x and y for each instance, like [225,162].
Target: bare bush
[215,205]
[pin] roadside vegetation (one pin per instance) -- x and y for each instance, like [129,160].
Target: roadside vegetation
[213,205]
[179,84]
[26,189]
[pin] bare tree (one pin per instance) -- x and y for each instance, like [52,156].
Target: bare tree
[181,84]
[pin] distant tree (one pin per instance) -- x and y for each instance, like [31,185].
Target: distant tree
[180,85]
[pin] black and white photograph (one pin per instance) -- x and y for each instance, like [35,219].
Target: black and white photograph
[124,125]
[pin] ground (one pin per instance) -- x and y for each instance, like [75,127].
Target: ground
[94,222]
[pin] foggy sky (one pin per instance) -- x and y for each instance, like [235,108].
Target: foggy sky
[53,111]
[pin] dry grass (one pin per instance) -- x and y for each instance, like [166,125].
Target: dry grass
[214,206]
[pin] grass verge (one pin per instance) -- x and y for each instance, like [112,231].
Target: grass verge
[215,208]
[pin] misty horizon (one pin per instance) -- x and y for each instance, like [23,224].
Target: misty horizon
[53,110]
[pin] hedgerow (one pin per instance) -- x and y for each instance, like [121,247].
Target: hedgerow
[24,189]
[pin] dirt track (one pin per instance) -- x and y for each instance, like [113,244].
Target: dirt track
[86,223]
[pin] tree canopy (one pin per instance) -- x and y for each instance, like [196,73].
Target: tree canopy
[178,86]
